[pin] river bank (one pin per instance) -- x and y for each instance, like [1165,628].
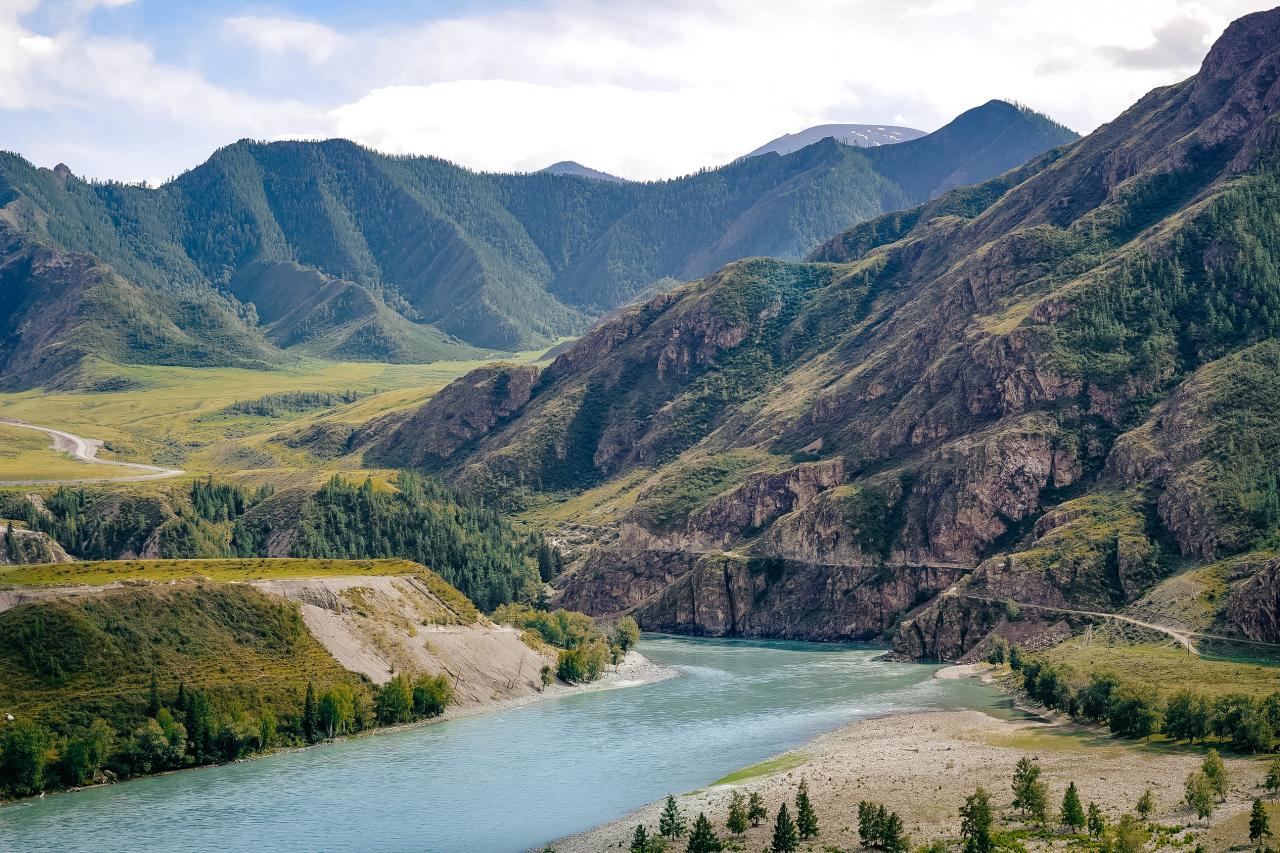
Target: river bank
[923,764]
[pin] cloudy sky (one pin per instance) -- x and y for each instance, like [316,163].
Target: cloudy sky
[143,89]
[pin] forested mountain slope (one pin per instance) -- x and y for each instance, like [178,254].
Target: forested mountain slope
[332,249]
[1051,387]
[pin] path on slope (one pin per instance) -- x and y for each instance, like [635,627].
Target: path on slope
[86,450]
[1182,636]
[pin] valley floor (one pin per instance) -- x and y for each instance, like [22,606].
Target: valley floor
[924,764]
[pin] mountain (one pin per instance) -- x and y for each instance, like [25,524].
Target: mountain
[570,167]
[859,135]
[1056,387]
[334,250]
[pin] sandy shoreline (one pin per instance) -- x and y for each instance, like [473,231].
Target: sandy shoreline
[923,764]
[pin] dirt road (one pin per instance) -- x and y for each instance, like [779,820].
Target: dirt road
[86,450]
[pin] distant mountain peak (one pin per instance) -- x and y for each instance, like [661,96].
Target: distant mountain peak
[859,135]
[572,167]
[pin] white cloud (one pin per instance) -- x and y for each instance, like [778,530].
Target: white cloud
[644,89]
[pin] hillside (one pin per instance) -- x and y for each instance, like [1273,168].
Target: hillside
[1051,388]
[156,665]
[333,250]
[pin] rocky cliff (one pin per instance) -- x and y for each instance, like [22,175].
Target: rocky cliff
[1037,389]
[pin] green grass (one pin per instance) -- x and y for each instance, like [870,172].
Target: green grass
[27,455]
[109,571]
[1167,667]
[779,764]
[175,415]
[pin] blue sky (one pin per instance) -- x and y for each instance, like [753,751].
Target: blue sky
[142,89]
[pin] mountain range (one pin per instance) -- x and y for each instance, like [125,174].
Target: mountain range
[1053,387]
[859,135]
[329,249]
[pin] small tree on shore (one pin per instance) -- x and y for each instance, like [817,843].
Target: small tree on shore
[785,837]
[737,822]
[1146,804]
[975,822]
[892,837]
[640,840]
[703,838]
[1030,793]
[1272,782]
[1216,772]
[806,818]
[756,811]
[310,718]
[1096,821]
[1129,835]
[1072,812]
[1259,825]
[671,822]
[1199,795]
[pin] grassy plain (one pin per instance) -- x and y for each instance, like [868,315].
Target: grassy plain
[175,415]
[1168,667]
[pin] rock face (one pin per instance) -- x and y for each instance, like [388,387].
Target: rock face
[1254,608]
[1038,389]
[20,547]
[464,411]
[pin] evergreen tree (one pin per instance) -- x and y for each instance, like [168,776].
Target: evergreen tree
[806,818]
[737,822]
[703,838]
[1072,811]
[1216,772]
[671,822]
[1259,825]
[869,828]
[153,703]
[785,837]
[1272,782]
[310,715]
[1097,821]
[640,840]
[1030,793]
[1146,804]
[756,811]
[892,837]
[180,702]
[975,822]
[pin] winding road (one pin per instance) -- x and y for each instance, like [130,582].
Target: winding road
[86,450]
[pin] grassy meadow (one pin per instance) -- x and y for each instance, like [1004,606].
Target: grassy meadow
[176,416]
[247,569]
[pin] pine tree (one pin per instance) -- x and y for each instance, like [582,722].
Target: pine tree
[703,838]
[1072,812]
[640,840]
[1146,804]
[1097,822]
[671,822]
[756,811]
[1030,794]
[153,704]
[806,818]
[1259,825]
[892,838]
[975,822]
[180,703]
[737,822]
[785,837]
[869,830]
[310,715]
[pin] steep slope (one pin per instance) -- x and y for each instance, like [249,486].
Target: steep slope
[979,395]
[858,135]
[361,255]
[571,167]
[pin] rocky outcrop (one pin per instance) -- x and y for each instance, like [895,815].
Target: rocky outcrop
[1253,610]
[464,411]
[760,500]
[19,546]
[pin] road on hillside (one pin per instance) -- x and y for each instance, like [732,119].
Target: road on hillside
[86,450]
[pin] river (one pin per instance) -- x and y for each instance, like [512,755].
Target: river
[511,780]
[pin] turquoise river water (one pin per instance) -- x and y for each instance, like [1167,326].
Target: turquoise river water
[506,781]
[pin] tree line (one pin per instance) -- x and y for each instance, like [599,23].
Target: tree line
[584,648]
[1128,709]
[194,728]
